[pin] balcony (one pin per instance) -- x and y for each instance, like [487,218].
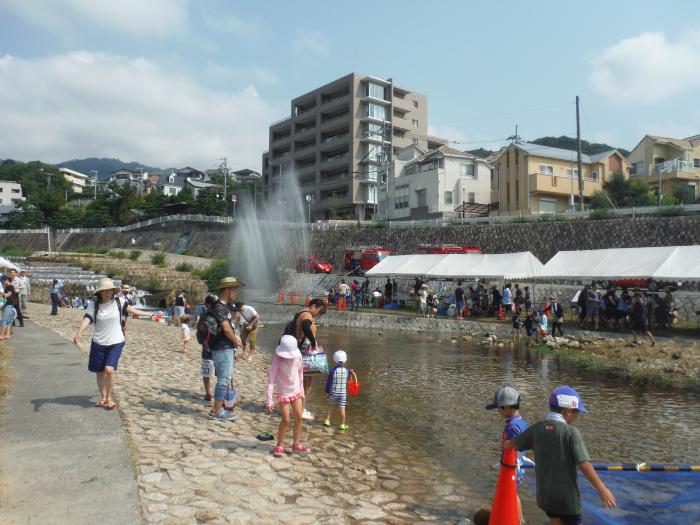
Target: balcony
[561,186]
[330,117]
[281,135]
[339,157]
[307,162]
[674,169]
[301,146]
[334,96]
[335,138]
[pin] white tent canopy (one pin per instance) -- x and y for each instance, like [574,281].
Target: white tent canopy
[666,262]
[522,265]
[7,265]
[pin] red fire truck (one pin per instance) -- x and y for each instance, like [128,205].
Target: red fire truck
[359,259]
[446,248]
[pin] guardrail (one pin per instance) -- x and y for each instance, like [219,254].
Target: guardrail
[151,222]
[41,230]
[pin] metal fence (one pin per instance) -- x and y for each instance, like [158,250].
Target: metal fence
[151,222]
[42,231]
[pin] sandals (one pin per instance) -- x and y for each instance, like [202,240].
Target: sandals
[100,403]
[110,406]
[278,451]
[301,449]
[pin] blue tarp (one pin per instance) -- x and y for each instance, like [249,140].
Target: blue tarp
[643,498]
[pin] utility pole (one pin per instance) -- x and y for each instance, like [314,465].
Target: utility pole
[224,169]
[578,147]
[95,181]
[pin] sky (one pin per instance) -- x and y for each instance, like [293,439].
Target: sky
[187,82]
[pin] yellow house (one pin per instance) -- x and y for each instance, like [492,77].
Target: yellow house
[532,179]
[667,161]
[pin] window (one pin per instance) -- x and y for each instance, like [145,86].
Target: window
[422,198]
[375,91]
[415,103]
[696,163]
[410,170]
[414,140]
[594,175]
[572,173]
[371,194]
[376,111]
[466,169]
[637,168]
[372,170]
[546,169]
[448,197]
[375,131]
[471,197]
[414,122]
[375,153]
[401,202]
[548,206]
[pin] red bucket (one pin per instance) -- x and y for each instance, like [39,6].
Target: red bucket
[353,386]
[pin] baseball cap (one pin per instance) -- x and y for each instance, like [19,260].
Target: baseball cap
[504,397]
[340,356]
[567,397]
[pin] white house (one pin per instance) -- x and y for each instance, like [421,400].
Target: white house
[77,180]
[432,185]
[10,197]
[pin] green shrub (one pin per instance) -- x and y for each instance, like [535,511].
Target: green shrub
[669,211]
[380,224]
[184,267]
[90,249]
[134,255]
[217,270]
[159,260]
[117,255]
[601,214]
[545,217]
[11,250]
[155,285]
[522,219]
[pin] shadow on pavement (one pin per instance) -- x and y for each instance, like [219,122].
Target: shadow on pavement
[81,401]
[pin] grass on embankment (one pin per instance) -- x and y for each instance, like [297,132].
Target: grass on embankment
[611,364]
[5,372]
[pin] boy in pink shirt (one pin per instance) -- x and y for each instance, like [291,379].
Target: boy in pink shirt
[287,378]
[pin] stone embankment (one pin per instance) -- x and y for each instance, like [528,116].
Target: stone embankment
[191,470]
[673,361]
[142,274]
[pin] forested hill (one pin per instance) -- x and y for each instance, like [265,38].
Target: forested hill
[589,148]
[104,167]
[563,142]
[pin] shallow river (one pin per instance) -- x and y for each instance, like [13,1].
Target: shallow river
[422,400]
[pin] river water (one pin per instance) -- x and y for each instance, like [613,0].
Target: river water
[422,406]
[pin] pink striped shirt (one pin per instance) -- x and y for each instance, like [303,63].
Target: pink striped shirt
[286,376]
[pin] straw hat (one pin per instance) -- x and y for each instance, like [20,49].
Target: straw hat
[230,282]
[125,288]
[106,284]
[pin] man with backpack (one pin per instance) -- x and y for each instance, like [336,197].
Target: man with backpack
[557,315]
[222,341]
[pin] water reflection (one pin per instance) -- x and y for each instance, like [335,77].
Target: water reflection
[425,399]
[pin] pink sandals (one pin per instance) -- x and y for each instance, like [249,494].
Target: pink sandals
[278,451]
[301,449]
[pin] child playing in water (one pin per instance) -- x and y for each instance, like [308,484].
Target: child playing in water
[507,400]
[517,322]
[287,378]
[559,449]
[185,328]
[337,389]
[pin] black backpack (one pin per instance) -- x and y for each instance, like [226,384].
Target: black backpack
[122,319]
[208,331]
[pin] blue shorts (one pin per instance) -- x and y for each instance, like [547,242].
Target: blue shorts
[460,306]
[8,315]
[102,356]
[339,399]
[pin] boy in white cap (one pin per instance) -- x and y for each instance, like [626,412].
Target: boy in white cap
[337,389]
[559,449]
[507,400]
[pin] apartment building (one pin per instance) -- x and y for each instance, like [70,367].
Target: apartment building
[77,180]
[10,197]
[532,179]
[433,184]
[668,162]
[336,141]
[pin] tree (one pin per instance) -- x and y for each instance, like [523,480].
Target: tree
[623,193]
[67,217]
[683,193]
[208,202]
[26,216]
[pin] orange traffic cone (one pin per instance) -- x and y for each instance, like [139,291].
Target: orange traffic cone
[292,299]
[504,510]
[500,312]
[308,300]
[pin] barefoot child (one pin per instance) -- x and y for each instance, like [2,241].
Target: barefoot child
[287,378]
[507,400]
[517,324]
[185,327]
[337,389]
[559,450]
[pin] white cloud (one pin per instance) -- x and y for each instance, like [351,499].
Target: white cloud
[85,104]
[232,24]
[247,75]
[648,68]
[310,42]
[132,17]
